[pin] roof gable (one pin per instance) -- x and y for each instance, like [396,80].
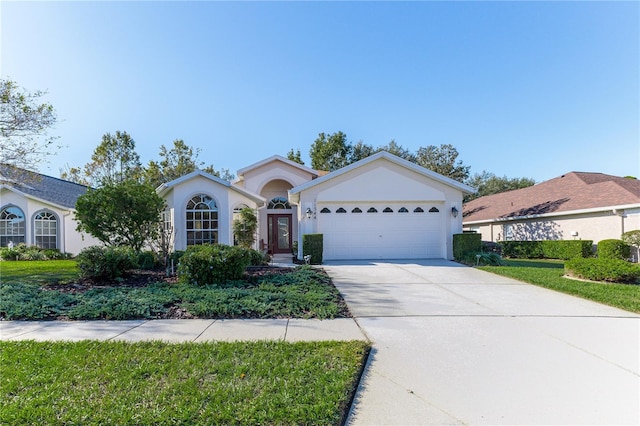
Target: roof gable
[168,186]
[386,156]
[46,188]
[281,159]
[570,192]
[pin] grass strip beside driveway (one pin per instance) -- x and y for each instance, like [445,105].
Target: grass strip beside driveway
[549,274]
[93,382]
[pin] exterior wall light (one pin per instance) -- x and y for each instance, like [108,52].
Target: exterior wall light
[454,211]
[309,213]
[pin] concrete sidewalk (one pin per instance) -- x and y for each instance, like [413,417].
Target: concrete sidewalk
[187,330]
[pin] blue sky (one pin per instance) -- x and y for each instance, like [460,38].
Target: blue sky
[522,89]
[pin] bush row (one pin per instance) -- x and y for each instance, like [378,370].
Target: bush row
[111,263]
[613,249]
[24,252]
[551,249]
[610,270]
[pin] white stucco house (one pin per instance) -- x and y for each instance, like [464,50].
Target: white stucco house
[382,207]
[36,209]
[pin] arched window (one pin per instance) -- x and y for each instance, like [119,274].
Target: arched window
[325,210]
[12,226]
[341,210]
[46,230]
[418,210]
[403,210]
[279,203]
[372,210]
[202,220]
[356,210]
[434,210]
[387,210]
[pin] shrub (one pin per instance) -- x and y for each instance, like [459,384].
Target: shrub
[25,252]
[610,270]
[108,263]
[312,244]
[613,249]
[548,249]
[465,244]
[258,258]
[566,249]
[146,260]
[213,264]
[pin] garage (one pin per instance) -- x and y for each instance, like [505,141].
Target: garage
[381,230]
[381,207]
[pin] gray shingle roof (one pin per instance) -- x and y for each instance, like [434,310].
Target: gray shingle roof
[47,188]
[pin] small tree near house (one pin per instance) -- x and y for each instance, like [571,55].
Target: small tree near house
[244,228]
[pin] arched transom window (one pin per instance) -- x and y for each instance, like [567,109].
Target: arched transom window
[202,220]
[12,226]
[46,230]
[279,203]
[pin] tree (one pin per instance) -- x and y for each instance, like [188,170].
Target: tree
[178,161]
[360,151]
[24,125]
[487,184]
[396,149]
[244,228]
[295,156]
[330,152]
[114,160]
[442,159]
[632,238]
[120,213]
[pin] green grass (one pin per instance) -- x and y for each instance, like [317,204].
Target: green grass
[549,274]
[38,271]
[303,293]
[95,383]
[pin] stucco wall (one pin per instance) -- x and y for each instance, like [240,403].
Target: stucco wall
[69,240]
[588,226]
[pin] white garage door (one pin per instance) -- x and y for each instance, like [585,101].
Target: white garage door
[381,231]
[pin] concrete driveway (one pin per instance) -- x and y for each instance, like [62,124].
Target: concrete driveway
[456,345]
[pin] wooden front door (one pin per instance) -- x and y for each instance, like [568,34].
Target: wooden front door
[279,233]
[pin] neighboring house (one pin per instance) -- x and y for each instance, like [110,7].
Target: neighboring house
[39,210]
[574,206]
[382,207]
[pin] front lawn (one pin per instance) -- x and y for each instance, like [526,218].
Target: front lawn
[51,290]
[549,274]
[93,382]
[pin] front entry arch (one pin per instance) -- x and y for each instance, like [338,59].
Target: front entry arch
[279,233]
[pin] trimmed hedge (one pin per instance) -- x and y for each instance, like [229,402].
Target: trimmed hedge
[213,264]
[312,244]
[610,270]
[105,263]
[614,249]
[465,244]
[548,249]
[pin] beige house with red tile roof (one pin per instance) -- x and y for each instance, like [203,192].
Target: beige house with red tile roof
[576,205]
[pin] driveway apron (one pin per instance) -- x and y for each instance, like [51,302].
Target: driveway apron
[456,345]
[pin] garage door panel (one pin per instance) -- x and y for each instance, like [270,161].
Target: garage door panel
[381,235]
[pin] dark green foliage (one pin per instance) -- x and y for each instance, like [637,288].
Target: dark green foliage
[24,252]
[613,249]
[312,244]
[258,258]
[213,264]
[105,263]
[123,213]
[146,260]
[465,244]
[548,249]
[302,293]
[610,270]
